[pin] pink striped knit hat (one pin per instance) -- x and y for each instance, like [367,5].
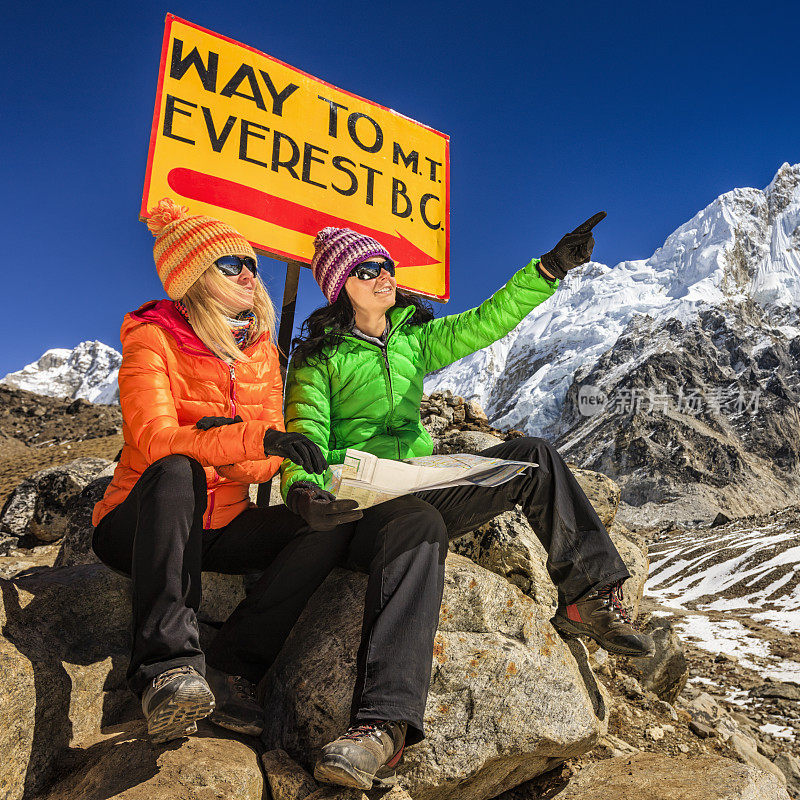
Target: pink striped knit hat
[337,252]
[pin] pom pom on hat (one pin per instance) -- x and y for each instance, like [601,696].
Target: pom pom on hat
[163,214]
[188,244]
[337,252]
[324,235]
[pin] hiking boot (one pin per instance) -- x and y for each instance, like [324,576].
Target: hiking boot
[367,752]
[601,616]
[237,708]
[174,701]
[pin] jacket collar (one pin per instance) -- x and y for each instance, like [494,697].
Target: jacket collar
[397,316]
[165,314]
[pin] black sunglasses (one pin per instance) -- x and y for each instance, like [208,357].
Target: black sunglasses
[232,265]
[370,270]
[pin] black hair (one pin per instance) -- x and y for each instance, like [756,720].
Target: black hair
[324,327]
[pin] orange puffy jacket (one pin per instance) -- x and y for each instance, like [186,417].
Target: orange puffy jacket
[168,380]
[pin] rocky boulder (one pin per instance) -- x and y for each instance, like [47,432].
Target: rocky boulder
[659,777]
[64,647]
[506,703]
[41,506]
[123,764]
[665,672]
[457,441]
[76,544]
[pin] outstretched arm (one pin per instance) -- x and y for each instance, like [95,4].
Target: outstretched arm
[447,339]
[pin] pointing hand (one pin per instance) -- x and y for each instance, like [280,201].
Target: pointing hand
[573,249]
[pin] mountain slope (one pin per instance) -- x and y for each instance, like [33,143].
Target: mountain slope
[744,245]
[89,372]
[676,375]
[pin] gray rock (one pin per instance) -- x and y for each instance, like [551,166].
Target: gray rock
[287,779]
[661,777]
[7,544]
[666,708]
[507,546]
[789,765]
[467,442]
[701,730]
[777,690]
[63,656]
[747,749]
[40,505]
[64,652]
[474,412]
[666,671]
[706,710]
[506,702]
[435,424]
[123,764]
[76,544]
[631,687]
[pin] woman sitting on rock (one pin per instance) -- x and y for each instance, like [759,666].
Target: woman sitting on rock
[178,502]
[355,380]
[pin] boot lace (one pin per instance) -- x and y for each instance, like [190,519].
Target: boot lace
[613,596]
[162,678]
[357,732]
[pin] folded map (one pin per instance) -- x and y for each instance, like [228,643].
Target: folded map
[371,480]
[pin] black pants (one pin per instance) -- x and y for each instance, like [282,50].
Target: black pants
[156,536]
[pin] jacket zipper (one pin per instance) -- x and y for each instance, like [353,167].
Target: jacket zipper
[385,351]
[207,525]
[233,390]
[232,394]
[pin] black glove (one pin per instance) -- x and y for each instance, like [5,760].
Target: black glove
[206,423]
[573,249]
[320,509]
[297,448]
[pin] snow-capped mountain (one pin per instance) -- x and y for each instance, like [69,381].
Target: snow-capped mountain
[89,371]
[744,245]
[676,375]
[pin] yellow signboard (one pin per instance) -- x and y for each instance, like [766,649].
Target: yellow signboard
[279,154]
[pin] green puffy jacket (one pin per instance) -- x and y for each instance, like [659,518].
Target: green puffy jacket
[368,399]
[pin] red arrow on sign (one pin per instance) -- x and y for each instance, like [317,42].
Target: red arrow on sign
[284,213]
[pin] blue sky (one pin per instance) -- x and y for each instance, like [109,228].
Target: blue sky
[554,112]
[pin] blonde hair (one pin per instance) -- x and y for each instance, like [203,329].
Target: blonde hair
[207,314]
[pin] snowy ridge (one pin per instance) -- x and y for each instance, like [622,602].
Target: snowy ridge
[731,567]
[89,371]
[744,245]
[744,570]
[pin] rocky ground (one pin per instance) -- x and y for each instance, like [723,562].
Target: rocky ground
[38,432]
[513,712]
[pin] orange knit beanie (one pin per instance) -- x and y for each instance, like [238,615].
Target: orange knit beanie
[187,245]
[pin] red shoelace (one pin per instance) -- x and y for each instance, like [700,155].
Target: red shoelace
[358,732]
[613,595]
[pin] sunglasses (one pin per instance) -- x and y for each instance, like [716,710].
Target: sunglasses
[370,270]
[232,265]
